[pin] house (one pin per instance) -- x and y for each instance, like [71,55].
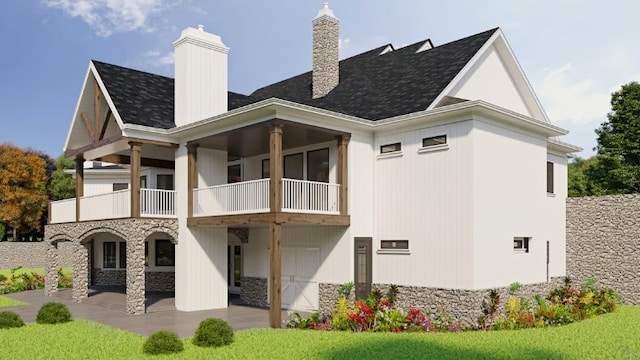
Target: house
[431,167]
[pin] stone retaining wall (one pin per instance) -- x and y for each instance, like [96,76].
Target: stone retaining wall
[462,305]
[603,242]
[32,254]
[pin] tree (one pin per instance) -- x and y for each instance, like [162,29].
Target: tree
[62,185]
[23,195]
[618,165]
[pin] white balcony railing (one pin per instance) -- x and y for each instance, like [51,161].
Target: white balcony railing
[310,197]
[253,197]
[63,211]
[113,205]
[157,203]
[238,198]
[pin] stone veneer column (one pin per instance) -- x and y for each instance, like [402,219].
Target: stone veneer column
[81,271]
[135,276]
[51,274]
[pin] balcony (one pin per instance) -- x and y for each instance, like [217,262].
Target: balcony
[154,203]
[251,197]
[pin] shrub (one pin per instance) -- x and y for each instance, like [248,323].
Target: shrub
[213,333]
[53,313]
[10,320]
[163,342]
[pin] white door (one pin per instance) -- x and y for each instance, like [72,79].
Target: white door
[299,286]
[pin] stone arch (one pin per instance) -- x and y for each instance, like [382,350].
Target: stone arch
[162,229]
[84,237]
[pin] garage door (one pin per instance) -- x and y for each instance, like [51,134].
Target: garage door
[299,284]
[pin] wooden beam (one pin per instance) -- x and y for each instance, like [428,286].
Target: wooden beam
[88,126]
[192,175]
[95,145]
[343,173]
[275,275]
[97,96]
[275,167]
[284,218]
[126,160]
[152,142]
[79,184]
[135,179]
[105,124]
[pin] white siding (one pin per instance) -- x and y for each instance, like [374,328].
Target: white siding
[425,197]
[101,185]
[201,254]
[361,185]
[510,200]
[212,167]
[556,219]
[489,80]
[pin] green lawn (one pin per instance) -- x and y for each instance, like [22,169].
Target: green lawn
[612,336]
[8,302]
[40,271]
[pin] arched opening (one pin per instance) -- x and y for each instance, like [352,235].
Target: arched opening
[59,254]
[160,262]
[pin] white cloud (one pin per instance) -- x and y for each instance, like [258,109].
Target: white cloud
[569,100]
[112,16]
[344,43]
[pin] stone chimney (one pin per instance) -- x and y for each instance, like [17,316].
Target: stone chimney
[200,76]
[325,52]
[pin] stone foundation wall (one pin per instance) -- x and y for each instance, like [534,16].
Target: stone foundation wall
[603,242]
[462,305]
[154,280]
[254,291]
[33,254]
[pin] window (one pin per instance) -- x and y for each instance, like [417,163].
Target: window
[120,186]
[389,148]
[143,181]
[293,166]
[165,182]
[109,255]
[394,244]
[123,254]
[521,244]
[266,170]
[318,165]
[165,253]
[233,174]
[549,177]
[434,141]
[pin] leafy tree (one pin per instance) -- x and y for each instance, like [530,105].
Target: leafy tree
[618,167]
[62,185]
[23,195]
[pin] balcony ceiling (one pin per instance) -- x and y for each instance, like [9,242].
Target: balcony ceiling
[254,140]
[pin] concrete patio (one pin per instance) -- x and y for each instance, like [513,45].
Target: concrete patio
[107,306]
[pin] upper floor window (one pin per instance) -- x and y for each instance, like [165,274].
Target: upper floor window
[120,186]
[434,141]
[165,182]
[234,174]
[521,244]
[389,148]
[549,177]
[318,165]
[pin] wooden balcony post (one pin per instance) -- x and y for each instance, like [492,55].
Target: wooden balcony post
[192,175]
[275,276]
[343,173]
[79,183]
[275,167]
[135,178]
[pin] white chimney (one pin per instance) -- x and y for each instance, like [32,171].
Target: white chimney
[326,36]
[200,89]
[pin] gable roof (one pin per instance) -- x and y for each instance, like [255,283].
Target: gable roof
[374,86]
[147,99]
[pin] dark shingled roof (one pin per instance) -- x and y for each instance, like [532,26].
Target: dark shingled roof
[147,99]
[372,86]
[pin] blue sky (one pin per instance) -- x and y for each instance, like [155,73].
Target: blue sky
[573,53]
